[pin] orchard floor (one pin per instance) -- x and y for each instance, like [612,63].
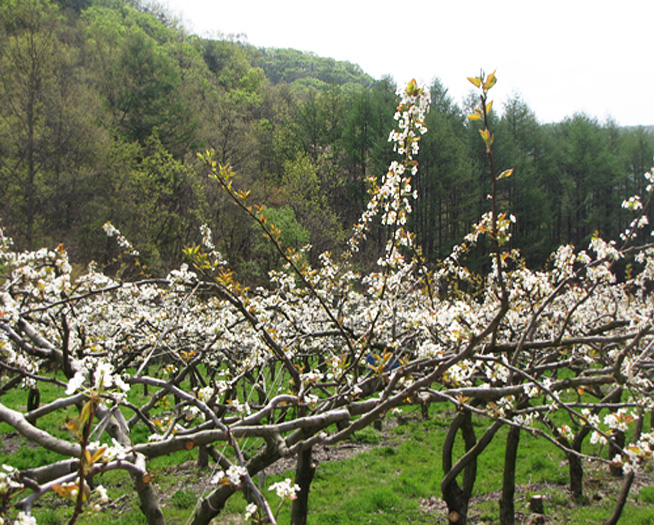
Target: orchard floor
[389,476]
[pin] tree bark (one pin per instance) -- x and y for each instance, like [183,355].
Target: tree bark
[576,466]
[203,457]
[507,506]
[619,439]
[212,505]
[304,473]
[456,497]
[626,485]
[574,461]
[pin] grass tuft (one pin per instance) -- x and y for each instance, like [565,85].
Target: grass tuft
[646,495]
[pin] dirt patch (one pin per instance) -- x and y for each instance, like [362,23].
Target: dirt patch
[323,454]
[10,443]
[189,477]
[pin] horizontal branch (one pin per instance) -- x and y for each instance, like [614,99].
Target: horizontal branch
[36,435]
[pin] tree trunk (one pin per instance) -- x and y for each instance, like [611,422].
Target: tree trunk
[507,506]
[150,504]
[626,485]
[30,208]
[33,400]
[576,465]
[458,498]
[148,497]
[618,438]
[212,505]
[203,457]
[304,473]
[146,371]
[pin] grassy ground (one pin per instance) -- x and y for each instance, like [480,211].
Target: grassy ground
[391,476]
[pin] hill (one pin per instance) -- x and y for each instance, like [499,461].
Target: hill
[290,65]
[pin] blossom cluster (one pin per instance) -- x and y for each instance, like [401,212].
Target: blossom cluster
[233,475]
[9,480]
[392,197]
[122,241]
[285,490]
[98,375]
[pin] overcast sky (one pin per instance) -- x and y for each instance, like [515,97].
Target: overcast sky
[560,56]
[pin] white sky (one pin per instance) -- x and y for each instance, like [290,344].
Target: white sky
[560,56]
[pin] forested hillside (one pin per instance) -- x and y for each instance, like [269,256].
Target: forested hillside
[105,105]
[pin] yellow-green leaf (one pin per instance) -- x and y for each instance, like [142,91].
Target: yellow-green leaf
[488,107]
[412,88]
[490,81]
[73,424]
[505,174]
[97,455]
[86,413]
[491,139]
[478,114]
[476,81]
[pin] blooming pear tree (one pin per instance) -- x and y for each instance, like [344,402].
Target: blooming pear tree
[253,376]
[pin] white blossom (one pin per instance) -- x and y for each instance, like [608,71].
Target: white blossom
[24,519]
[249,511]
[285,489]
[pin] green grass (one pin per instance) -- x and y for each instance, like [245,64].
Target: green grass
[368,435]
[397,481]
[646,495]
